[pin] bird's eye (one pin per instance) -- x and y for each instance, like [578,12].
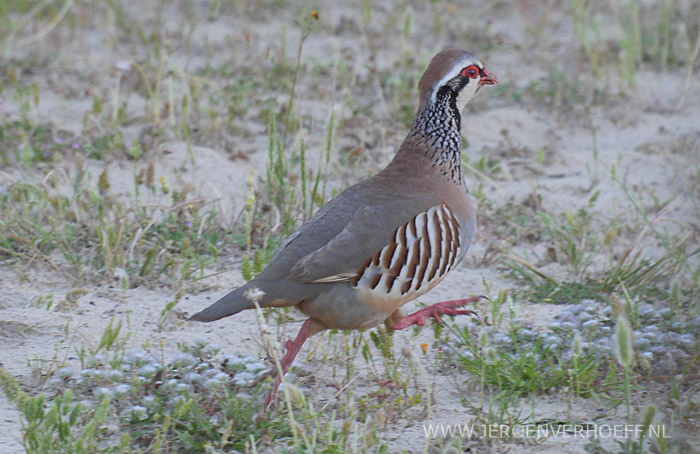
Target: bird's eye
[470,72]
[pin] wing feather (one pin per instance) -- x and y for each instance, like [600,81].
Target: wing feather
[370,229]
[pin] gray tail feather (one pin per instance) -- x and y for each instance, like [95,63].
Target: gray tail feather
[232,303]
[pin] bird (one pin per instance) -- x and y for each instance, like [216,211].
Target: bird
[386,240]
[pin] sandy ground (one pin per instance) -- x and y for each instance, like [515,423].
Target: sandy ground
[652,147]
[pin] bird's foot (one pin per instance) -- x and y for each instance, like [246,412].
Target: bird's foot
[308,329]
[435,311]
[271,398]
[272,366]
[285,363]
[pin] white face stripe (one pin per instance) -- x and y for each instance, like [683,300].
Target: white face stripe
[470,88]
[466,94]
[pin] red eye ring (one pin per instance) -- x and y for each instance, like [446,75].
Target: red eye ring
[471,72]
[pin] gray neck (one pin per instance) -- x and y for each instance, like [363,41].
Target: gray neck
[438,126]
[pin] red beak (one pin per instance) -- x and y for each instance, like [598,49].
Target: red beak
[488,78]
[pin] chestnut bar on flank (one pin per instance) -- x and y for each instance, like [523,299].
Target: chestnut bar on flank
[388,239]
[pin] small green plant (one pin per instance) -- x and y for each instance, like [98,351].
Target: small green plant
[59,429]
[187,404]
[97,234]
[527,366]
[396,376]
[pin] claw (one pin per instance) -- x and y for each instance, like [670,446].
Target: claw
[435,311]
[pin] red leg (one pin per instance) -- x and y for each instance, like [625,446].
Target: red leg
[435,311]
[308,329]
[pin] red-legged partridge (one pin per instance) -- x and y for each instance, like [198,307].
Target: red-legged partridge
[388,239]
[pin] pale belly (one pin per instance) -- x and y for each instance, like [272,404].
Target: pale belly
[346,307]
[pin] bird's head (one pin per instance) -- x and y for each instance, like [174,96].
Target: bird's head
[456,74]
